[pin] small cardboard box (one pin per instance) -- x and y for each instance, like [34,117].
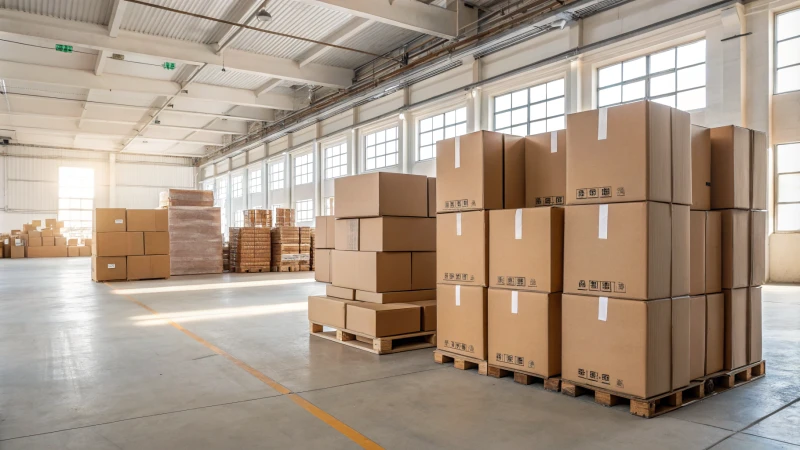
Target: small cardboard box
[50,223]
[88,242]
[619,249]
[525,331]
[735,328]
[715,333]
[423,270]
[73,251]
[47,232]
[34,241]
[109,268]
[396,234]
[51,251]
[72,242]
[395,297]
[546,169]
[735,248]
[147,220]
[469,172]
[381,194]
[325,232]
[462,255]
[340,292]
[462,320]
[156,242]
[36,223]
[60,241]
[681,341]
[85,250]
[758,170]
[705,250]
[48,241]
[346,234]
[697,337]
[428,311]
[758,248]
[33,234]
[147,267]
[118,244]
[106,220]
[754,324]
[681,270]
[327,310]
[431,197]
[374,319]
[513,172]
[322,265]
[526,249]
[371,271]
[16,251]
[701,168]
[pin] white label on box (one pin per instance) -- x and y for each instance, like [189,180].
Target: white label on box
[554,142]
[458,295]
[602,309]
[17,242]
[602,224]
[602,124]
[518,224]
[514,302]
[458,152]
[458,224]
[112,266]
[118,221]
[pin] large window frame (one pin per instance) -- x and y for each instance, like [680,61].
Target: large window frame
[437,127]
[304,169]
[255,181]
[236,186]
[513,112]
[304,210]
[76,200]
[785,40]
[382,148]
[787,167]
[336,160]
[277,175]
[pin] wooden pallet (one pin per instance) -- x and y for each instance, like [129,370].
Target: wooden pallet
[377,345]
[250,269]
[655,406]
[550,383]
[460,361]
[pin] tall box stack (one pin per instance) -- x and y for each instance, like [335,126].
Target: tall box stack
[249,249]
[626,306]
[258,218]
[154,262]
[130,244]
[284,217]
[44,240]
[195,232]
[286,255]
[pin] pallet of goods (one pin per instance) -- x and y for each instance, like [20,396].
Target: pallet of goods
[284,217]
[291,249]
[250,249]
[130,244]
[195,236]
[260,218]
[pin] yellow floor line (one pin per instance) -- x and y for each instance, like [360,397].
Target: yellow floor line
[333,422]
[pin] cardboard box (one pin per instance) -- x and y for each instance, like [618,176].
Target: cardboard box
[423,270]
[620,249]
[371,271]
[469,172]
[730,167]
[428,311]
[325,232]
[105,220]
[629,155]
[34,241]
[681,270]
[374,319]
[87,242]
[546,169]
[118,244]
[381,194]
[327,310]
[85,250]
[60,241]
[340,292]
[758,170]
[462,255]
[51,251]
[48,241]
[33,234]
[47,232]
[396,297]
[715,333]
[395,234]
[735,328]
[147,220]
[701,168]
[621,345]
[346,234]
[735,248]
[16,251]
[50,223]
[754,325]
[697,337]
[525,331]
[36,223]
[681,341]
[705,252]
[26,228]
[513,172]
[72,242]
[758,248]
[462,320]
[431,197]
[526,249]
[147,267]
[73,251]
[322,265]
[156,242]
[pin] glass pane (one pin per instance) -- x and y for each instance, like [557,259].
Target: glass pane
[634,68]
[789,217]
[690,100]
[450,118]
[538,111]
[692,77]
[380,161]
[380,149]
[788,158]
[438,135]
[555,88]
[692,54]
[87,204]
[461,129]
[426,125]
[87,215]
[426,139]
[370,152]
[63,203]
[504,130]
[502,102]
[370,164]
[633,91]
[788,79]
[438,121]
[660,62]
[555,123]
[789,188]
[521,130]
[609,96]
[610,75]
[788,52]
[787,25]
[555,107]
[391,159]
[426,152]
[519,116]
[502,120]
[370,139]
[74,203]
[538,127]
[668,100]
[662,84]
[450,132]
[519,98]
[538,93]
[391,146]
[461,115]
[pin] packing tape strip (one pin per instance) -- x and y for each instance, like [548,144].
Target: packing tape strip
[602,124]
[602,223]
[458,295]
[514,302]
[458,152]
[518,224]
[602,309]
[554,142]
[458,224]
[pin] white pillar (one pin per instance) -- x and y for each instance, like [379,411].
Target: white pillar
[475,99]
[733,65]
[112,180]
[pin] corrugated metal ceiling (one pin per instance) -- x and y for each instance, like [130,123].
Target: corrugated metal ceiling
[90,11]
[156,22]
[377,38]
[231,78]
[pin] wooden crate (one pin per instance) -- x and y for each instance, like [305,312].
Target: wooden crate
[377,345]
[460,362]
[550,383]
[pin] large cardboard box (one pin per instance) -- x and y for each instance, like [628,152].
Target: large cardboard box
[381,194]
[735,328]
[423,270]
[396,234]
[469,172]
[701,168]
[34,241]
[715,333]
[72,242]
[374,319]
[48,241]
[697,337]
[147,267]
[428,311]
[526,249]
[118,243]
[33,234]
[681,341]
[395,297]
[754,325]
[758,248]
[346,234]
[546,169]
[156,242]
[431,197]
[105,220]
[85,250]
[16,251]
[513,172]
[46,232]
[36,223]
[322,265]
[340,292]
[730,167]
[109,268]
[681,270]
[73,251]
[371,271]
[327,310]
[325,232]
[50,223]
[705,252]
[621,345]
[462,255]
[620,249]
[758,170]
[525,331]
[51,251]
[735,248]
[632,152]
[462,320]
[147,220]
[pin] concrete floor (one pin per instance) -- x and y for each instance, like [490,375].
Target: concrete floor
[88,366]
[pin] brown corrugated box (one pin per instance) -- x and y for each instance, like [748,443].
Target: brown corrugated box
[513,172]
[109,268]
[730,167]
[423,270]
[462,320]
[322,262]
[48,241]
[372,271]
[118,243]
[16,251]
[50,223]
[60,241]
[73,251]
[46,232]
[147,267]
[396,234]
[340,292]
[681,270]
[546,169]
[681,341]
[715,333]
[628,157]
[327,310]
[147,220]
[85,250]
[754,324]
[735,248]
[106,220]
[525,331]
[701,168]
[33,234]
[735,328]
[758,170]
[705,252]
[379,320]
[325,234]
[36,223]
[51,251]
[431,197]
[34,241]
[346,234]
[697,337]
[156,242]
[469,172]
[395,297]
[620,249]
[381,194]
[526,249]
[758,248]
[462,241]
[428,311]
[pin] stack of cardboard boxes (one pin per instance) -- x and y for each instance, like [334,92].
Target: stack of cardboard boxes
[284,217]
[195,232]
[79,247]
[130,244]
[291,249]
[249,249]
[259,218]
[45,241]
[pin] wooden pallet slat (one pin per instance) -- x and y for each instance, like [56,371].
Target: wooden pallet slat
[461,362]
[550,383]
[377,345]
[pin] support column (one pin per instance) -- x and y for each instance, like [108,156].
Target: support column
[734,62]
[407,131]
[112,180]
[475,99]
[573,83]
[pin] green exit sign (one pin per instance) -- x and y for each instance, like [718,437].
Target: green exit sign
[64,48]
[169,65]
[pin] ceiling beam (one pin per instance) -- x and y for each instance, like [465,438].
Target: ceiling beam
[100,62]
[216,127]
[242,14]
[74,132]
[338,37]
[115,19]
[266,87]
[96,37]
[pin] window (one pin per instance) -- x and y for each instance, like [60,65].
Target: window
[787,52]
[442,126]
[787,190]
[221,201]
[304,169]
[76,200]
[276,176]
[675,77]
[208,185]
[531,111]
[222,191]
[274,212]
[336,161]
[381,149]
[328,204]
[255,181]
[238,218]
[236,186]
[304,210]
